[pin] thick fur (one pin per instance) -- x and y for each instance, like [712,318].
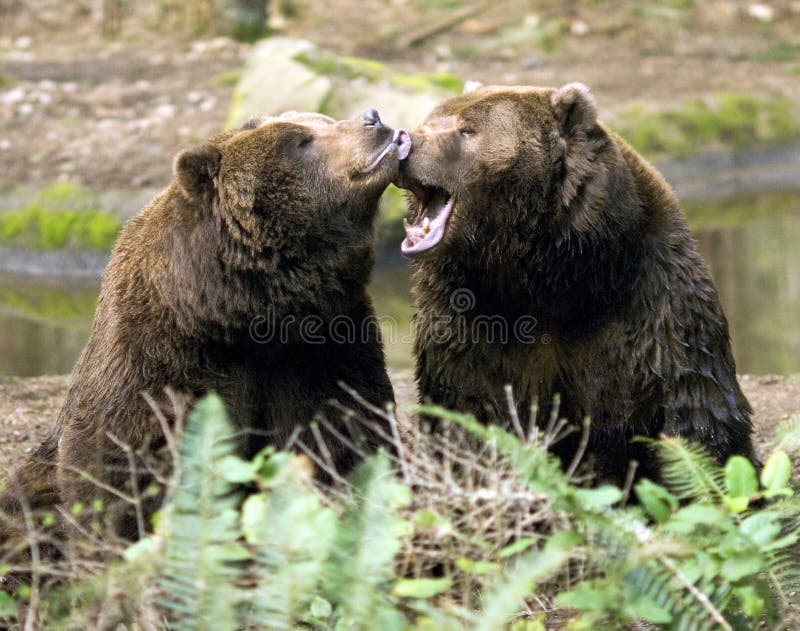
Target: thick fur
[558,220]
[271,221]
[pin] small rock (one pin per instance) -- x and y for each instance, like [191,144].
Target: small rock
[761,12]
[531,62]
[13,96]
[208,104]
[46,84]
[25,109]
[5,144]
[194,97]
[165,111]
[23,42]
[443,52]
[579,28]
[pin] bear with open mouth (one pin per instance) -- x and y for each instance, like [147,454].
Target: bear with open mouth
[527,209]
[229,282]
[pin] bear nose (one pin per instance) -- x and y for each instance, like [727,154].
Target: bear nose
[370,118]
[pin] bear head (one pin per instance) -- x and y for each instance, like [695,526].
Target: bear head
[300,181]
[511,162]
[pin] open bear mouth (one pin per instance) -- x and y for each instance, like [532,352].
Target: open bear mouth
[430,221]
[399,144]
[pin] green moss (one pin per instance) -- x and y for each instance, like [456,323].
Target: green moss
[7,80]
[345,67]
[350,68]
[61,216]
[227,78]
[429,82]
[726,119]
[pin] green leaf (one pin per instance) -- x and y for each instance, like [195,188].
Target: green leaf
[320,608]
[564,540]
[750,600]
[657,500]
[429,520]
[688,517]
[584,598]
[740,477]
[650,610]
[234,469]
[8,608]
[761,528]
[777,471]
[477,567]
[599,498]
[527,624]
[742,564]
[736,504]
[421,587]
[142,549]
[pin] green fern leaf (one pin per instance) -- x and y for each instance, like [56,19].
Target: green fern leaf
[200,526]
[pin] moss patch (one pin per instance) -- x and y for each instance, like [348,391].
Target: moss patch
[61,216]
[725,119]
[349,68]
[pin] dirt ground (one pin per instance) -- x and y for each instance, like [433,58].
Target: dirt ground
[28,408]
[111,111]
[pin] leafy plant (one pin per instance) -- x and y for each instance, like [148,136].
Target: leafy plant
[255,544]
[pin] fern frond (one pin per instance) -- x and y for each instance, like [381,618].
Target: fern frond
[200,526]
[786,437]
[366,542]
[292,534]
[688,471]
[507,595]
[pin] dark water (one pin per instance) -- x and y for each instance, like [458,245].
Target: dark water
[752,244]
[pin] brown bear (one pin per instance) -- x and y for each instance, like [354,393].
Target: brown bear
[229,282]
[547,254]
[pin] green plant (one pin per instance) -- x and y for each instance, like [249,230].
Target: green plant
[728,119]
[709,547]
[62,215]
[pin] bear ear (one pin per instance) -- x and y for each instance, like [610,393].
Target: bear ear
[575,108]
[196,169]
[471,86]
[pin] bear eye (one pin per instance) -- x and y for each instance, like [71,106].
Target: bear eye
[305,141]
[466,132]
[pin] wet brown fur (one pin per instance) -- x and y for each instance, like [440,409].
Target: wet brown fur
[558,220]
[271,220]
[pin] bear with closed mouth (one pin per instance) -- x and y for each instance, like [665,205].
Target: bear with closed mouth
[228,282]
[528,210]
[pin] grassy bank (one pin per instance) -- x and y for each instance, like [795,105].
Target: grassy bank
[60,216]
[722,121]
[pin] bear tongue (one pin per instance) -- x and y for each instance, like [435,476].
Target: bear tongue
[427,233]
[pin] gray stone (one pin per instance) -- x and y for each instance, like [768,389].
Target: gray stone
[273,82]
[397,108]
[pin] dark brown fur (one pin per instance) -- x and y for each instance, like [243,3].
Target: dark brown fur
[273,220]
[558,219]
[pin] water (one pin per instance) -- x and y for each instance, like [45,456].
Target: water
[751,242]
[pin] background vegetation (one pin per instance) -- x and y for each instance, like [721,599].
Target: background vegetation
[447,535]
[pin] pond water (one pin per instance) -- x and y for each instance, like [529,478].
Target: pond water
[751,242]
